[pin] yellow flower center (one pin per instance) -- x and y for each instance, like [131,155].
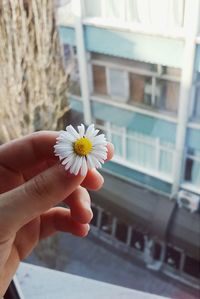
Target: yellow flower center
[83,146]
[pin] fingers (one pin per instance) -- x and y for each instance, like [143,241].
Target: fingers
[60,219]
[79,203]
[27,152]
[93,180]
[110,152]
[21,205]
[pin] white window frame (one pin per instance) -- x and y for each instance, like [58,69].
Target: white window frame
[130,70]
[125,83]
[125,162]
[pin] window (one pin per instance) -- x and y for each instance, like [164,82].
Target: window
[138,150]
[168,95]
[192,267]
[106,222]
[192,168]
[172,257]
[168,13]
[141,150]
[118,85]
[95,216]
[197,103]
[157,249]
[137,240]
[140,89]
[121,231]
[74,82]
[99,79]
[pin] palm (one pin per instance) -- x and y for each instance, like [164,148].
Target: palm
[21,243]
[31,186]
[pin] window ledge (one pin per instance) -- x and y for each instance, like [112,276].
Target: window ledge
[190,187]
[109,101]
[40,283]
[175,33]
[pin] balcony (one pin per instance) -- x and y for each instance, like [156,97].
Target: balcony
[137,84]
[165,17]
[40,283]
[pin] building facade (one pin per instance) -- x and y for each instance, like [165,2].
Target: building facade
[135,72]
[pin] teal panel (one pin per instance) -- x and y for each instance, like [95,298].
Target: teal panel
[75,104]
[67,35]
[148,125]
[136,46]
[193,139]
[139,177]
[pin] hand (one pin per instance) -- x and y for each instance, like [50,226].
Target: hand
[32,183]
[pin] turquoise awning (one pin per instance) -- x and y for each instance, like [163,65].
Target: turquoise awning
[137,122]
[141,47]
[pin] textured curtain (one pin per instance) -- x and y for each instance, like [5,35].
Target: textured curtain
[93,8]
[162,13]
[132,11]
[114,9]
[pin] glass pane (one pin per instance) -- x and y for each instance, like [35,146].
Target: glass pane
[93,8]
[195,175]
[141,153]
[166,162]
[140,89]
[168,95]
[137,240]
[99,79]
[118,81]
[172,257]
[106,222]
[117,142]
[121,231]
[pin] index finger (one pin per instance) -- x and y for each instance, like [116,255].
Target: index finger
[27,152]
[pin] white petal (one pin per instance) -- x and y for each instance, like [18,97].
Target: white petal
[78,165]
[66,160]
[95,161]
[63,147]
[100,139]
[70,163]
[90,162]
[84,167]
[67,136]
[90,131]
[74,166]
[100,155]
[72,131]
[63,152]
[81,130]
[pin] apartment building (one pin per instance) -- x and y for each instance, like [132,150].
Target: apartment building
[135,71]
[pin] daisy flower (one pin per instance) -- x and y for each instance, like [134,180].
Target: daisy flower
[81,150]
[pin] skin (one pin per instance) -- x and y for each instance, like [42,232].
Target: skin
[32,183]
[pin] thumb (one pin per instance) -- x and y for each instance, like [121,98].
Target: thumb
[22,204]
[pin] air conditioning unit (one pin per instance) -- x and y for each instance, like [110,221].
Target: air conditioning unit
[188,200]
